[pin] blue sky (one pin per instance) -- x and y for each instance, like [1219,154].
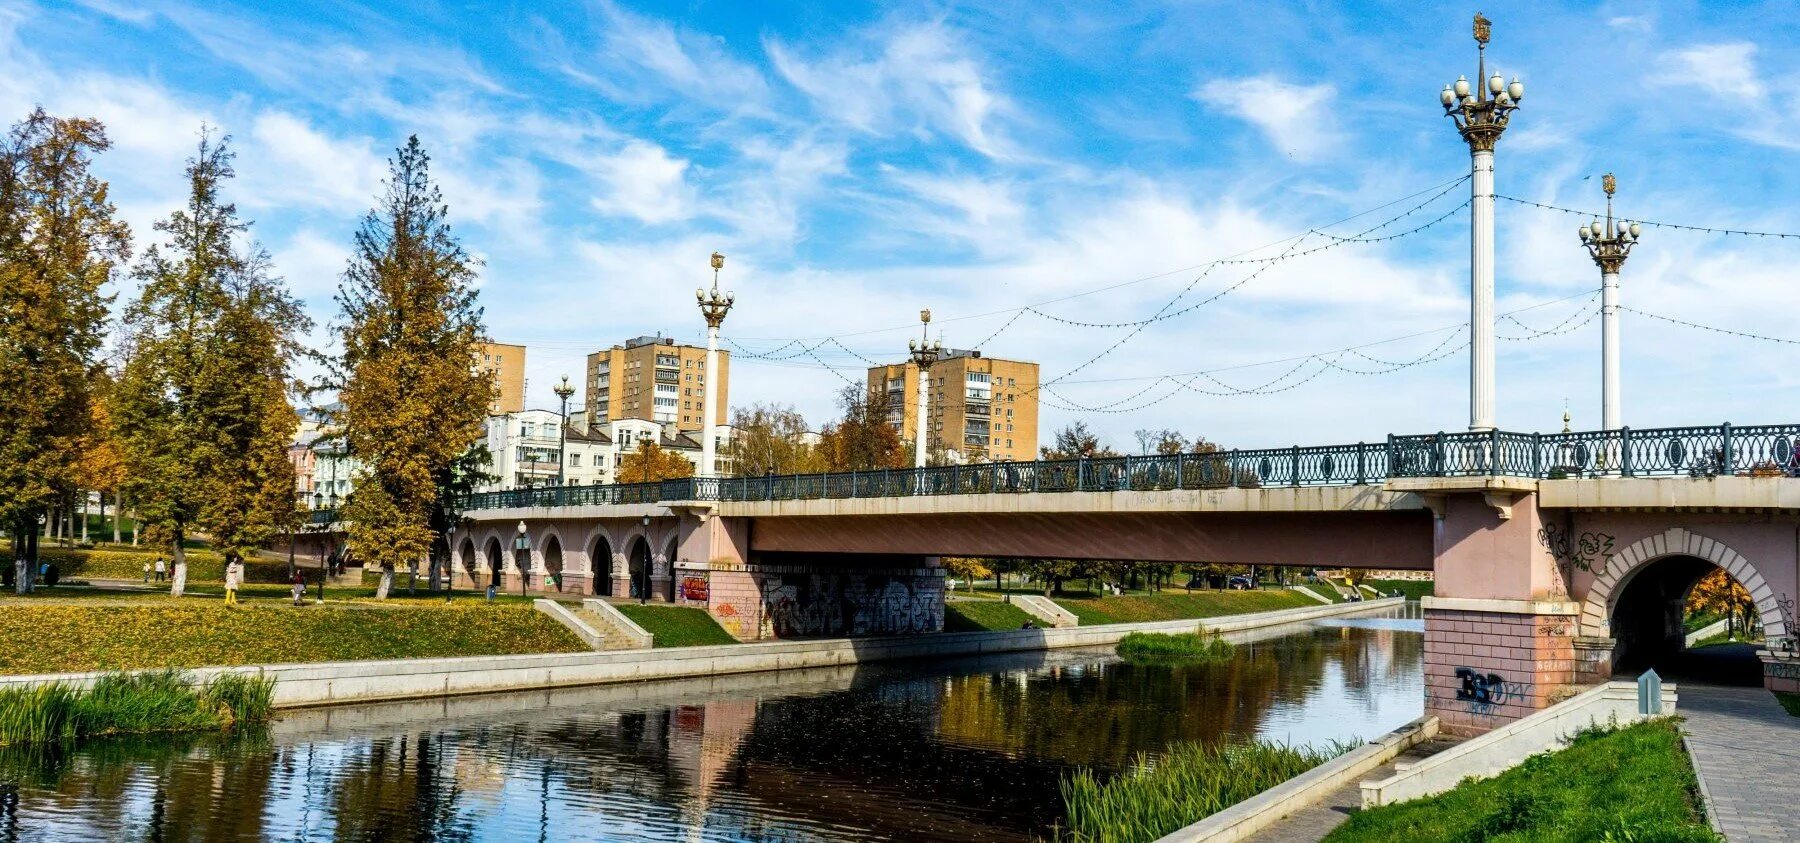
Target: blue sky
[860,161]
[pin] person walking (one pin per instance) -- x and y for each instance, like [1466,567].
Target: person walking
[234,575]
[146,573]
[161,569]
[299,586]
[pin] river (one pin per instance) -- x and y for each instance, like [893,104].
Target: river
[967,748]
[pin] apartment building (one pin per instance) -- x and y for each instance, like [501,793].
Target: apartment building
[979,409]
[654,379]
[506,365]
[528,446]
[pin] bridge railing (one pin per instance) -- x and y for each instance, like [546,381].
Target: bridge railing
[1676,451]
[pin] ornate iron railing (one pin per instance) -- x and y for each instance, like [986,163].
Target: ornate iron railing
[1768,450]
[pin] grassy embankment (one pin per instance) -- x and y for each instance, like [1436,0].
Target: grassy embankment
[983,615]
[1791,702]
[161,701]
[1412,589]
[1181,648]
[1190,782]
[51,638]
[1176,605]
[676,626]
[1630,784]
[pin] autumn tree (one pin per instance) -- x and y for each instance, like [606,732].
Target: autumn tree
[201,407]
[101,465]
[771,439]
[59,245]
[1074,441]
[1717,593]
[863,439]
[414,399]
[651,462]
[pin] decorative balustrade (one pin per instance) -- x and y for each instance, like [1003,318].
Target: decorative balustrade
[1769,450]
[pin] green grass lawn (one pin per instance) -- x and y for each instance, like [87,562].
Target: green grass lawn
[981,615]
[1631,784]
[676,626]
[1413,589]
[1791,702]
[57,637]
[1176,604]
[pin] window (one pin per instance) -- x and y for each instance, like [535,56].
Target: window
[574,460]
[525,428]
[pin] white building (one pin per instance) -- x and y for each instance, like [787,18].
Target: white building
[528,446]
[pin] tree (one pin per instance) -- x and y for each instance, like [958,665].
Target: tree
[1717,593]
[651,463]
[863,439]
[59,245]
[771,439]
[101,466]
[967,568]
[455,482]
[414,399]
[1075,441]
[202,405]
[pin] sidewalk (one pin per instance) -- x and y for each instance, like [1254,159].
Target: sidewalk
[1312,823]
[1746,750]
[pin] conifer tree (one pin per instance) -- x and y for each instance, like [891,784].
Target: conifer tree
[201,408]
[59,244]
[414,399]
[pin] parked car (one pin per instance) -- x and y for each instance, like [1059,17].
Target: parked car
[1240,583]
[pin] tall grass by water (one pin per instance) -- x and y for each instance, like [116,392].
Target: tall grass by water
[1161,794]
[1178,648]
[132,703]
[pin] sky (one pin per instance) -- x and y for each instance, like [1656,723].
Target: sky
[857,162]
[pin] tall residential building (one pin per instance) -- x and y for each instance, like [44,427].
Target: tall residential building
[506,363]
[655,379]
[979,408]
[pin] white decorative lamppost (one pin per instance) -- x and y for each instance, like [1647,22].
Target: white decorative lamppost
[713,306]
[924,353]
[1609,243]
[1481,113]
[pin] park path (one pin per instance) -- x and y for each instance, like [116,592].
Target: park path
[1746,750]
[1311,823]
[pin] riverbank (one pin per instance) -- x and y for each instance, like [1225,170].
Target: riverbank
[192,633]
[300,685]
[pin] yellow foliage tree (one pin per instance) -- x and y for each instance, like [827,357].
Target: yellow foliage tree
[651,463]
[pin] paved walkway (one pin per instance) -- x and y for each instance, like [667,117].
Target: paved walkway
[1746,750]
[1311,823]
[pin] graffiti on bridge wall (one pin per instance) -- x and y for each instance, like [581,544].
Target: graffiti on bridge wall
[1589,551]
[1481,693]
[814,604]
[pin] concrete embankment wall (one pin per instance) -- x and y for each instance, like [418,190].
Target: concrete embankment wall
[335,683]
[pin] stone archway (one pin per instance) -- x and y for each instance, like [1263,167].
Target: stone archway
[465,559]
[553,560]
[1610,581]
[600,564]
[638,568]
[496,561]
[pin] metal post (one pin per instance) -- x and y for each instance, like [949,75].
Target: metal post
[713,308]
[1081,474]
[1725,456]
[1494,453]
[1537,455]
[1295,479]
[1625,451]
[1362,469]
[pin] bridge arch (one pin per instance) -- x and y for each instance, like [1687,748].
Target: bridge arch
[552,552]
[1611,580]
[600,561]
[464,558]
[496,560]
[638,563]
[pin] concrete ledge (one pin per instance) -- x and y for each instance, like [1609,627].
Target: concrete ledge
[1313,594]
[1246,818]
[639,638]
[1503,748]
[336,683]
[1044,609]
[588,634]
[1705,632]
[1510,607]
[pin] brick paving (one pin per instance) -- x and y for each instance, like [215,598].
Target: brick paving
[1746,749]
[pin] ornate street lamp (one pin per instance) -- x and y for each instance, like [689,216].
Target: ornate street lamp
[563,391]
[1609,243]
[1481,113]
[713,307]
[924,353]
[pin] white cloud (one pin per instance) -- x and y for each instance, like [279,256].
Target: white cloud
[651,52]
[1724,70]
[918,78]
[286,161]
[1288,114]
[643,181]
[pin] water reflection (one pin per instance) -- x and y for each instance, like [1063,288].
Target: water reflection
[954,750]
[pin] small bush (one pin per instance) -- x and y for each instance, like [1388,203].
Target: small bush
[1180,648]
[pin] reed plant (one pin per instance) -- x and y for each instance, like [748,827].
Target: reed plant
[1160,794]
[132,703]
[1179,648]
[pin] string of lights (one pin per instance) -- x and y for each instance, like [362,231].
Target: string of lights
[1562,329]
[1669,225]
[1727,331]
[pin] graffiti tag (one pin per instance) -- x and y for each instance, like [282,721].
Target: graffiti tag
[1586,551]
[1483,692]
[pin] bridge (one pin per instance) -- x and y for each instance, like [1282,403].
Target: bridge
[1558,557]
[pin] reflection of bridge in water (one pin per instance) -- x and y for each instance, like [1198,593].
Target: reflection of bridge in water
[1537,540]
